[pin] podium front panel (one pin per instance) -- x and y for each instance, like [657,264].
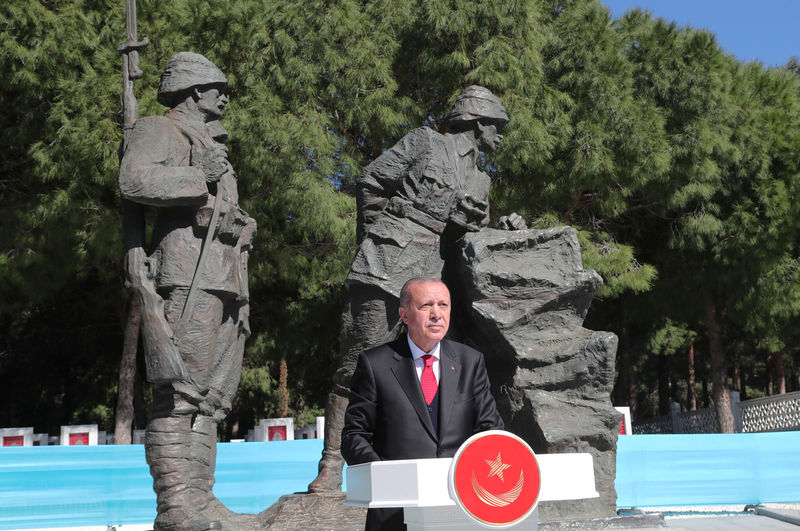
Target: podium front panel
[404,483]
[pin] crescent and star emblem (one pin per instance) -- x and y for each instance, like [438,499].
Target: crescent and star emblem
[496,468]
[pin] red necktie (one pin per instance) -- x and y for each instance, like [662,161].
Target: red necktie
[428,379]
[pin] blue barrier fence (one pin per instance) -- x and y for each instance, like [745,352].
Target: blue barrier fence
[63,486]
[708,469]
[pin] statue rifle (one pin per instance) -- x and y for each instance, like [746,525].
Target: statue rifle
[133,213]
[165,365]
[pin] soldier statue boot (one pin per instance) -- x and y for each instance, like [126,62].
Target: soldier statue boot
[376,320]
[204,457]
[166,448]
[329,476]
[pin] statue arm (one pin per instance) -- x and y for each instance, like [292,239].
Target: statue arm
[155,169]
[381,178]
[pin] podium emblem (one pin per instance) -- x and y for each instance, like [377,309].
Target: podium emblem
[495,479]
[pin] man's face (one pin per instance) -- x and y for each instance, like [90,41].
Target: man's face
[489,137]
[211,100]
[428,314]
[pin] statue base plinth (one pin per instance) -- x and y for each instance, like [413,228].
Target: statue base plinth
[313,511]
[325,512]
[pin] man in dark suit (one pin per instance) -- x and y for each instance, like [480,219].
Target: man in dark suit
[420,396]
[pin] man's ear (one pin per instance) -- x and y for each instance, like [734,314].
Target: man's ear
[403,316]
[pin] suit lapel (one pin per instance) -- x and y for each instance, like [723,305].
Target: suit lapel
[449,370]
[406,376]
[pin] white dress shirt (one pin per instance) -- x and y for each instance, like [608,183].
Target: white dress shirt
[419,363]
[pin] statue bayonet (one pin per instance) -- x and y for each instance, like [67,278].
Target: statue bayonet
[130,70]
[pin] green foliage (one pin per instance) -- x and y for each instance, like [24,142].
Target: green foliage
[60,300]
[678,165]
[724,207]
[671,337]
[621,271]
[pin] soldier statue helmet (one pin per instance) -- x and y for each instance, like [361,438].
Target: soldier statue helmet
[184,71]
[477,103]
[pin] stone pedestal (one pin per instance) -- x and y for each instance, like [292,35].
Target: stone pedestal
[313,512]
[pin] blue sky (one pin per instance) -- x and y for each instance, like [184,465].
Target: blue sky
[752,30]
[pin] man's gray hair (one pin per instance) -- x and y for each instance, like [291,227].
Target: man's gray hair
[405,291]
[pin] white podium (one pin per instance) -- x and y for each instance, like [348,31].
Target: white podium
[420,486]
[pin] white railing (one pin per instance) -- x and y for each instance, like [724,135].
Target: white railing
[772,413]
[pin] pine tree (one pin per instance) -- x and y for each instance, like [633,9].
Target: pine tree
[677,163]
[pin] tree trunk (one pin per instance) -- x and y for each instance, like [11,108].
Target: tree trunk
[780,374]
[770,384]
[620,391]
[283,391]
[633,403]
[664,394]
[674,389]
[622,386]
[742,386]
[654,411]
[719,376]
[127,374]
[691,392]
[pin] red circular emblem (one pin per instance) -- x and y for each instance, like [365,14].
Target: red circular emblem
[495,478]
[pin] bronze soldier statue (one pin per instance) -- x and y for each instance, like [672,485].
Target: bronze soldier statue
[414,202]
[192,281]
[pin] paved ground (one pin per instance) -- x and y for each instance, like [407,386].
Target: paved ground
[733,517]
[706,518]
[720,523]
[130,527]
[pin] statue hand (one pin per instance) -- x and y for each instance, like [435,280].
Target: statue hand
[138,271]
[469,213]
[214,163]
[513,222]
[473,208]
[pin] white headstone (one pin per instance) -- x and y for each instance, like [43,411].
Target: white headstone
[281,429]
[85,434]
[16,437]
[138,437]
[625,424]
[321,427]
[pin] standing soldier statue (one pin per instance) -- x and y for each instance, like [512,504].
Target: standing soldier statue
[414,202]
[191,278]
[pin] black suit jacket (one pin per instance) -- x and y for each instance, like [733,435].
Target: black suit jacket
[388,419]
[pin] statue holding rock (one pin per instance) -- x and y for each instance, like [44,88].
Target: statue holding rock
[518,295]
[414,203]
